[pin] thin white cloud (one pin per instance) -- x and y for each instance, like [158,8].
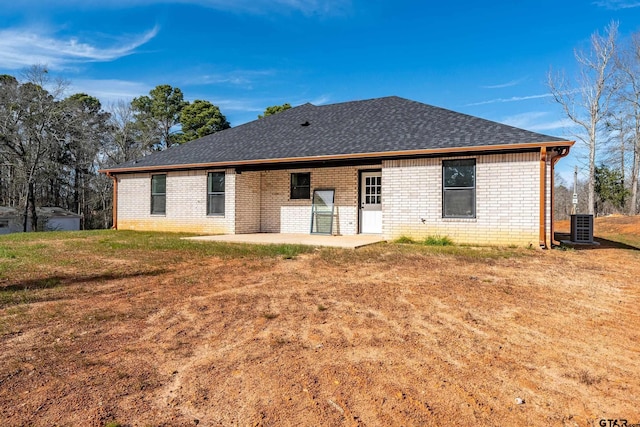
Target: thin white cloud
[109,91]
[216,79]
[320,100]
[21,48]
[258,105]
[539,121]
[244,105]
[617,4]
[507,84]
[524,120]
[512,99]
[236,78]
[306,7]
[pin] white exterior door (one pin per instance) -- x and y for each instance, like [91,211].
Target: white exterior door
[371,202]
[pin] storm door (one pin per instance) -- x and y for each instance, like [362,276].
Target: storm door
[322,212]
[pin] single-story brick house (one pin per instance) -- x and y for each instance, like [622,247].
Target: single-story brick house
[389,165]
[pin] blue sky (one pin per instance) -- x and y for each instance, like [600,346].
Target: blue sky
[488,59]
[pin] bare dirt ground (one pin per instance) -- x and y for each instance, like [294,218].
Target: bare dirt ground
[382,336]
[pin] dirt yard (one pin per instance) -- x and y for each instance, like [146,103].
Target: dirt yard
[97,331]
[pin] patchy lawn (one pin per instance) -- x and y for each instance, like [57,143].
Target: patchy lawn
[145,329]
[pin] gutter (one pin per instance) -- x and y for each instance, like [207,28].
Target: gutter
[374,155]
[554,160]
[543,191]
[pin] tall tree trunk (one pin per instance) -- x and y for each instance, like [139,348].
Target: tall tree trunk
[25,221]
[633,204]
[104,211]
[591,187]
[76,191]
[32,204]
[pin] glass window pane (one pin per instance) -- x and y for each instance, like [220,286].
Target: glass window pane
[303,179]
[459,203]
[300,193]
[323,200]
[158,184]
[300,179]
[216,204]
[216,182]
[158,204]
[459,173]
[301,185]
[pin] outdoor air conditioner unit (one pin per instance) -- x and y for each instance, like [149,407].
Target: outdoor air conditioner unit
[582,228]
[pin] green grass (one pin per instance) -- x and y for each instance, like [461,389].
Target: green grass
[404,240]
[428,241]
[37,267]
[15,245]
[438,241]
[149,251]
[21,250]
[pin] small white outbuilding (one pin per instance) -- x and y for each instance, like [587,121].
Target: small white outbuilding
[58,219]
[49,219]
[9,220]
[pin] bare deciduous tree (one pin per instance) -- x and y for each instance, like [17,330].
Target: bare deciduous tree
[586,100]
[628,65]
[30,118]
[126,142]
[52,147]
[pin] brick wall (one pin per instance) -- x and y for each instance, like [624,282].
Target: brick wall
[280,214]
[507,200]
[186,204]
[261,204]
[248,202]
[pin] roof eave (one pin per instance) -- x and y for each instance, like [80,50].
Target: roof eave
[350,156]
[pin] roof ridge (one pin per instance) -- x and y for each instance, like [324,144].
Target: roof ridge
[389,124]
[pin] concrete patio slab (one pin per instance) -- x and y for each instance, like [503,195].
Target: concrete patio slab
[350,242]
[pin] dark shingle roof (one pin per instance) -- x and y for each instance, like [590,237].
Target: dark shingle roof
[380,125]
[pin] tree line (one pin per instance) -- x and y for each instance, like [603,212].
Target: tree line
[602,101]
[52,145]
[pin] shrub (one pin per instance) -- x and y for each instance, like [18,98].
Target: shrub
[404,239]
[438,241]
